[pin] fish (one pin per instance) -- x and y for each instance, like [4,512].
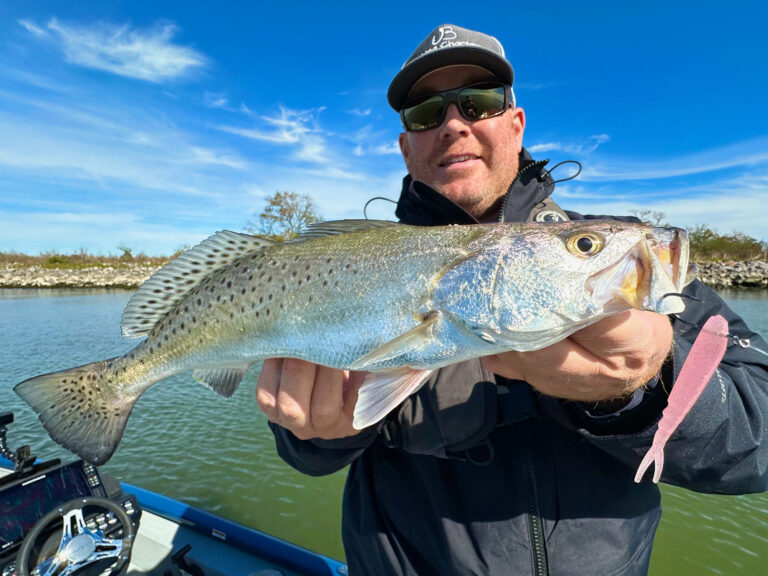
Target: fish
[394,300]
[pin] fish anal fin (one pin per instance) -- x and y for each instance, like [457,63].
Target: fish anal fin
[382,392]
[415,338]
[223,381]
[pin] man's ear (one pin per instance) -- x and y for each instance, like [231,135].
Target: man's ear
[403,141]
[518,115]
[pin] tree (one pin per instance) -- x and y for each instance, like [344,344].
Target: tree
[652,217]
[285,215]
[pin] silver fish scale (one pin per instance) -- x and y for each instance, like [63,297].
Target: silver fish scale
[330,301]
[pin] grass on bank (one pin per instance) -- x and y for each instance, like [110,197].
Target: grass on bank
[79,260]
[706,245]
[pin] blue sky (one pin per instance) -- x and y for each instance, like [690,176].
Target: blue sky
[153,124]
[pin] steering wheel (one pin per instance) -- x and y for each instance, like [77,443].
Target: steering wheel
[80,546]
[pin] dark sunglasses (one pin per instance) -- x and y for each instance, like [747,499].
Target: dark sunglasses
[474,102]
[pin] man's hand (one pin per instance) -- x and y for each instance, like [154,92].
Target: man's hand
[607,360]
[311,401]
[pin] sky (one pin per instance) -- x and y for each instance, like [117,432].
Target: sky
[151,125]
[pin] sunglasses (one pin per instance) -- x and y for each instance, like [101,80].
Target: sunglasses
[474,102]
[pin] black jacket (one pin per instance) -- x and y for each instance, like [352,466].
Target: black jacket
[479,475]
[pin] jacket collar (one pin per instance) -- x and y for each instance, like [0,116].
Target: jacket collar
[419,204]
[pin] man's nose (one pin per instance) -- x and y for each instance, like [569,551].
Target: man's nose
[454,122]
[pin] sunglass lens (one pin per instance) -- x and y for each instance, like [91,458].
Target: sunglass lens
[424,115]
[480,102]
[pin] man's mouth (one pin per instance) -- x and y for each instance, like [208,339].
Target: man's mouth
[459,158]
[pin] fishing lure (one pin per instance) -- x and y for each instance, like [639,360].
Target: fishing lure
[703,359]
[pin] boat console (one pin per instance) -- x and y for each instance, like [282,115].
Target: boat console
[67,519]
[60,518]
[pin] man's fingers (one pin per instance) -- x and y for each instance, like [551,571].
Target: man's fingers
[267,387]
[295,393]
[327,398]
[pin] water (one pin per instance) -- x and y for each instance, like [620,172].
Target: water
[219,455]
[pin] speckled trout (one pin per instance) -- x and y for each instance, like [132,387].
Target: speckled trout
[397,301]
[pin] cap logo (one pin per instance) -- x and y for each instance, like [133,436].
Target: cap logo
[445,38]
[446,33]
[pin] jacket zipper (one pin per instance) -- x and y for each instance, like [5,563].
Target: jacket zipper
[535,522]
[511,186]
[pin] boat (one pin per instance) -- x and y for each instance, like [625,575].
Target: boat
[58,518]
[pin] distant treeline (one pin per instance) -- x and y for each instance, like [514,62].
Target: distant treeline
[709,246]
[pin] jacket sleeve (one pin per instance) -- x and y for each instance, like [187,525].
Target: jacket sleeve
[722,444]
[317,457]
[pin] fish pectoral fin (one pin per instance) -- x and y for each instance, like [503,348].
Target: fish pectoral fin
[223,381]
[414,339]
[382,392]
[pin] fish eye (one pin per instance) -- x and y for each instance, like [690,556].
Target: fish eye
[585,243]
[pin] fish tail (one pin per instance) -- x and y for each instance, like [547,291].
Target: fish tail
[80,408]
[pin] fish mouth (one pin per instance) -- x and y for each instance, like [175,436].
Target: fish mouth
[648,277]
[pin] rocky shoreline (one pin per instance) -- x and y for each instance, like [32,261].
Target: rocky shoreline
[129,277]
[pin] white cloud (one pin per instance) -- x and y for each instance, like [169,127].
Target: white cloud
[97,232]
[132,150]
[728,204]
[385,149]
[296,127]
[585,147]
[360,112]
[749,153]
[147,54]
[214,100]
[209,156]
[33,28]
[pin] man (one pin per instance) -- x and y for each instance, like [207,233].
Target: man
[521,463]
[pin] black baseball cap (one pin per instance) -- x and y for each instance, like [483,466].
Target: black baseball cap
[449,45]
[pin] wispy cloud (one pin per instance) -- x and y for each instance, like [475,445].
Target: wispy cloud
[146,54]
[68,232]
[215,100]
[749,153]
[709,201]
[359,112]
[33,28]
[369,141]
[291,127]
[132,149]
[584,147]
[385,149]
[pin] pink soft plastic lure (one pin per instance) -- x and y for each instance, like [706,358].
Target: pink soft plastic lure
[702,361]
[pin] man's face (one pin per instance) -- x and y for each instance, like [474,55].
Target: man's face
[470,162]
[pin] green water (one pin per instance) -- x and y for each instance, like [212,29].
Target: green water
[219,455]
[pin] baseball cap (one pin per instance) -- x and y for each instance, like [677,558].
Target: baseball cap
[449,45]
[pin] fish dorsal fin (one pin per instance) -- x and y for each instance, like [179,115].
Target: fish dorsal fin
[335,227]
[169,285]
[223,381]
